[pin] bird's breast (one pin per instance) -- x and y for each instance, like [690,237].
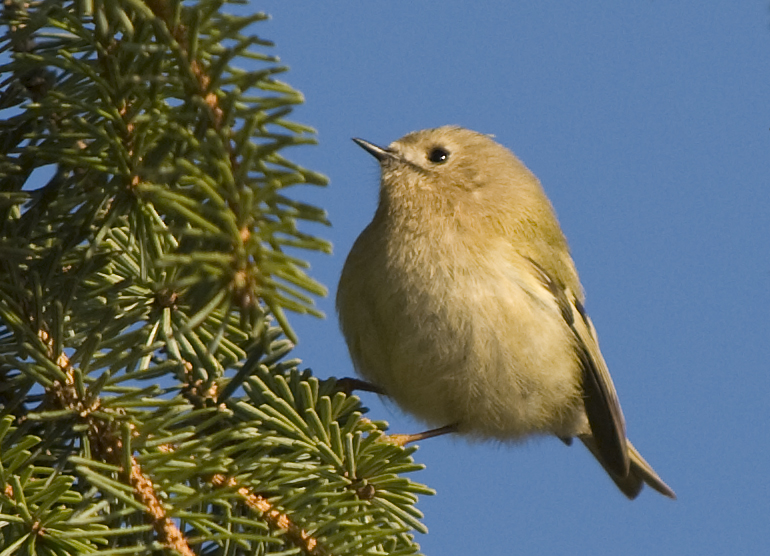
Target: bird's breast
[468,336]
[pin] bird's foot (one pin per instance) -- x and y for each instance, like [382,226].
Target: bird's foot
[404,439]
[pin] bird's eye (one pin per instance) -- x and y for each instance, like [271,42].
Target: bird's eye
[438,155]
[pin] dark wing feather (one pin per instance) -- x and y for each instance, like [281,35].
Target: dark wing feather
[601,401]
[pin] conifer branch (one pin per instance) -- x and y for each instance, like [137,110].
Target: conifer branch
[278,520]
[148,398]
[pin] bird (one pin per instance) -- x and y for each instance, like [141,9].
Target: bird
[461,302]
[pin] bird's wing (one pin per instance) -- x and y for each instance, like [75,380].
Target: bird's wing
[601,401]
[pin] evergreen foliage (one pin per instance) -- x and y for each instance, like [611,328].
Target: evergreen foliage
[148,403]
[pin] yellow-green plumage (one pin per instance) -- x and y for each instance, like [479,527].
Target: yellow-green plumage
[461,301]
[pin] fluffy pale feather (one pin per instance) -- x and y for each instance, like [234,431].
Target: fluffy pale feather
[461,301]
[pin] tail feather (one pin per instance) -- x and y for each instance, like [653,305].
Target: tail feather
[640,472]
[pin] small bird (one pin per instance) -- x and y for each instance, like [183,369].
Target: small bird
[461,302]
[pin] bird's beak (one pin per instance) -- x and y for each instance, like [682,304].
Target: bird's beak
[377,152]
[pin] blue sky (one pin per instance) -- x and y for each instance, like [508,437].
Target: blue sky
[648,124]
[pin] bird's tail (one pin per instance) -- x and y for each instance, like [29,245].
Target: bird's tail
[639,472]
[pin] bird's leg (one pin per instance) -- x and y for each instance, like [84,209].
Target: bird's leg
[347,385]
[404,439]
